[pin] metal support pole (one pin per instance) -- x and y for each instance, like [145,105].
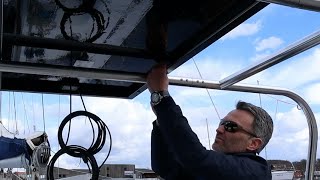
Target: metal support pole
[73,72]
[313,5]
[292,50]
[68,45]
[312,124]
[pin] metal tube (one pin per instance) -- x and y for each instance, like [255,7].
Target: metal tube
[74,72]
[313,5]
[68,45]
[312,124]
[292,50]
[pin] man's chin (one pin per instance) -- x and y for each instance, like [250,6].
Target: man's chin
[215,147]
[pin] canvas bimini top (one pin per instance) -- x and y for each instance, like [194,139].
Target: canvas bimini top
[64,46]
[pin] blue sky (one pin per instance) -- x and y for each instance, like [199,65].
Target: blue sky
[270,30]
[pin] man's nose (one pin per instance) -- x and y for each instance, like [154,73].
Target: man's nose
[220,129]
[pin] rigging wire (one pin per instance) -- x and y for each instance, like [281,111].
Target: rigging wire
[25,114]
[265,148]
[15,113]
[33,117]
[215,108]
[276,112]
[105,127]
[59,109]
[259,95]
[8,129]
[44,122]
[93,131]
[70,88]
[58,126]
[9,108]
[70,107]
[286,102]
[297,105]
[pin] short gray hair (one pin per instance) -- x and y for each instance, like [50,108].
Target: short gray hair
[262,125]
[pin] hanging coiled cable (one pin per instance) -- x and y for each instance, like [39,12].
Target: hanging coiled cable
[106,127]
[86,157]
[100,141]
[78,151]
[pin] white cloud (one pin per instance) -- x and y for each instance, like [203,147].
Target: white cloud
[210,68]
[294,120]
[260,56]
[290,137]
[244,29]
[293,73]
[312,94]
[269,43]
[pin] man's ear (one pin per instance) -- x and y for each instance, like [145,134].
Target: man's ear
[254,144]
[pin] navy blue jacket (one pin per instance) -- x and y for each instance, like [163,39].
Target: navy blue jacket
[176,152]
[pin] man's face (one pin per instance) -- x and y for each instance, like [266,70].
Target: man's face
[238,141]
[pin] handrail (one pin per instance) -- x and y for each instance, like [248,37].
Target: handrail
[312,124]
[72,72]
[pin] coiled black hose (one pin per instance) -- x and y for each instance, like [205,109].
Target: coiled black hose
[86,157]
[79,151]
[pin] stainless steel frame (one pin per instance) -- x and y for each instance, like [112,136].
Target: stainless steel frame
[226,84]
[312,124]
[292,50]
[73,72]
[88,73]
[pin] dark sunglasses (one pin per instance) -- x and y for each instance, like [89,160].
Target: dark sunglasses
[233,127]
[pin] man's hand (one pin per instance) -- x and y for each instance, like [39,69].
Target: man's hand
[157,78]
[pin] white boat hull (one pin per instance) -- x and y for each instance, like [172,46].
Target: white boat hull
[282,175]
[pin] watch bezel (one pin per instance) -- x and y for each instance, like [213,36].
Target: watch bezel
[155,97]
[159,96]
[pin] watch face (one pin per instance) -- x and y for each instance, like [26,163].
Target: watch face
[155,97]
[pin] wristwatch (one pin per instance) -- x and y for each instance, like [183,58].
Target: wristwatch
[157,96]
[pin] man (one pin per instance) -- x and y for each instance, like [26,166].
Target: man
[177,153]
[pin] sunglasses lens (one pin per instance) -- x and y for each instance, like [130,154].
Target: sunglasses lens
[230,126]
[233,127]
